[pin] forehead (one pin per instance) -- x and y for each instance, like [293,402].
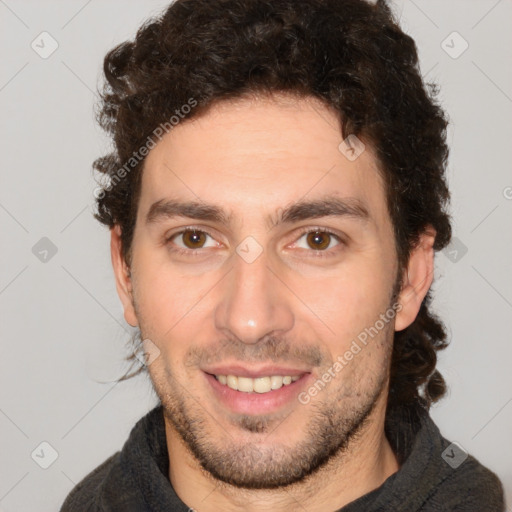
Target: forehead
[245,154]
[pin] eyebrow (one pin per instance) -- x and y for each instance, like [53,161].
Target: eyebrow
[302,210]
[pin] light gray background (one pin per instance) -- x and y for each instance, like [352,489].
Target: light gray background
[63,334]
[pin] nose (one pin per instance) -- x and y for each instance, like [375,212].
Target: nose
[253,303]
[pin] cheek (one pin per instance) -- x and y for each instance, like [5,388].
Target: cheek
[161,295]
[349,299]
[170,304]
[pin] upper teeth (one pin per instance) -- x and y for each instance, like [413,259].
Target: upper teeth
[259,385]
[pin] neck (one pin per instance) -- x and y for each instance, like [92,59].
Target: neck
[366,463]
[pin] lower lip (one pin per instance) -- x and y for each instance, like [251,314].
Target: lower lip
[257,403]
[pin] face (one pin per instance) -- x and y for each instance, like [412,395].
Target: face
[261,253]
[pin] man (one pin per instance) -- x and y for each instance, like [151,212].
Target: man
[275,200]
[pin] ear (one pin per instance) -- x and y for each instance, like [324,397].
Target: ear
[122,275]
[417,279]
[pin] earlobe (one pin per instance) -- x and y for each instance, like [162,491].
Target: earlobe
[417,279]
[122,275]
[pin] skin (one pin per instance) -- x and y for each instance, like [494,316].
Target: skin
[294,304]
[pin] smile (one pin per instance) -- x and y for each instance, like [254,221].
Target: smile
[257,385]
[256,391]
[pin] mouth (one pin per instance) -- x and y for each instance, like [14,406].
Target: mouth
[257,385]
[252,392]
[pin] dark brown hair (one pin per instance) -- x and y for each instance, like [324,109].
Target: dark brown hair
[351,55]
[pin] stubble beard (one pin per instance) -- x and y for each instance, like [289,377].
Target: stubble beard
[334,424]
[261,464]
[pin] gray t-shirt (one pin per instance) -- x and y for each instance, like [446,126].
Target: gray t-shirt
[434,475]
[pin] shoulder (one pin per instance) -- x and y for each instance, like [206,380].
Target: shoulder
[83,496]
[470,487]
[438,474]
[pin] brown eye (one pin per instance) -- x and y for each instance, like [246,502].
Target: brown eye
[191,241]
[194,239]
[318,240]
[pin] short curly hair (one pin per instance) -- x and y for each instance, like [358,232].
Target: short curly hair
[351,55]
